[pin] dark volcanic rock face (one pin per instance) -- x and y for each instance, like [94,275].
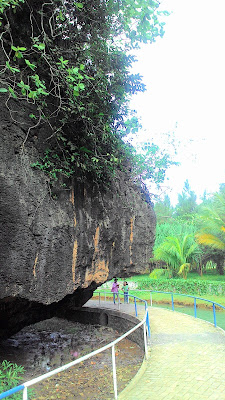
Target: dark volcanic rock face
[53,248]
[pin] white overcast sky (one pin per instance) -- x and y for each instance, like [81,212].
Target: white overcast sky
[185,77]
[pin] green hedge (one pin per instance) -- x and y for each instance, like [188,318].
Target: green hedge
[191,287]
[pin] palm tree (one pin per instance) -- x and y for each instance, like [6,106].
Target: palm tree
[212,231]
[179,253]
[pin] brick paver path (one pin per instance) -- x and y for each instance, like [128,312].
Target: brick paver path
[186,360]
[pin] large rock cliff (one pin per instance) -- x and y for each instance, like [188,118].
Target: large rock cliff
[63,244]
[64,92]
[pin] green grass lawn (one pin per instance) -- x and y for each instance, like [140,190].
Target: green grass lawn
[178,299]
[209,276]
[182,303]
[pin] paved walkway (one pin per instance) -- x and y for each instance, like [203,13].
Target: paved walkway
[186,360]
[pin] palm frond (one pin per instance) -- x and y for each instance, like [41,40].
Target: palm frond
[166,256]
[184,269]
[210,240]
[186,243]
[176,251]
[193,253]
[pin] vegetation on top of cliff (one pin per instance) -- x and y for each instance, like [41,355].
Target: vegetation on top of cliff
[71,61]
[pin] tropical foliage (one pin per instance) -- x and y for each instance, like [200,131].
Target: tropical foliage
[173,227]
[197,286]
[164,210]
[71,62]
[185,210]
[213,224]
[205,221]
[10,376]
[186,205]
[179,253]
[212,230]
[160,273]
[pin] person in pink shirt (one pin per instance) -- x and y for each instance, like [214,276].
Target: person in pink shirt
[114,290]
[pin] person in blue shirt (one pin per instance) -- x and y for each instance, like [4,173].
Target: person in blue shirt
[125,290]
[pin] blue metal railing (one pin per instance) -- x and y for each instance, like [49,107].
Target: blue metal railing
[172,294]
[214,304]
[146,327]
[129,296]
[12,391]
[145,323]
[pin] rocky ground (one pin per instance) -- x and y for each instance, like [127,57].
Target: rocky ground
[51,343]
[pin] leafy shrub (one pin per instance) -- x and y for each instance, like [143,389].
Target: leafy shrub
[210,265]
[183,286]
[159,273]
[10,376]
[81,84]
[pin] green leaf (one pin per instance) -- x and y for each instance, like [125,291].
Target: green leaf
[40,46]
[85,149]
[32,116]
[18,51]
[30,65]
[3,90]
[12,92]
[33,94]
[81,86]
[12,69]
[79,5]
[74,70]
[62,63]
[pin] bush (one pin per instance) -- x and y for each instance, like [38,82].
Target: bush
[182,286]
[209,265]
[159,273]
[10,376]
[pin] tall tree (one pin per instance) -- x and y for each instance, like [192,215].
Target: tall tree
[212,230]
[186,206]
[163,210]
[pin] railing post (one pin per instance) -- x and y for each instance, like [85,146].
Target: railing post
[151,299]
[214,314]
[195,307]
[135,305]
[145,341]
[148,324]
[172,301]
[114,371]
[25,393]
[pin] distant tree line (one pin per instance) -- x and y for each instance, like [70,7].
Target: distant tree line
[190,235]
